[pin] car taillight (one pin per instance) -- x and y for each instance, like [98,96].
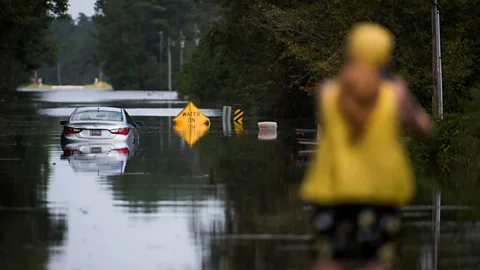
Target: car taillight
[301,134]
[69,152]
[121,131]
[69,130]
[122,150]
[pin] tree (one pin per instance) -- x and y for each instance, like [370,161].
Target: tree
[128,35]
[77,47]
[280,48]
[26,43]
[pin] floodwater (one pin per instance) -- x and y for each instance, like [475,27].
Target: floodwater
[224,201]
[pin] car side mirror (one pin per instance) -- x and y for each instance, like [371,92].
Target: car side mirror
[139,123]
[63,123]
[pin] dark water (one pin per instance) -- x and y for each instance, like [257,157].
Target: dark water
[227,202]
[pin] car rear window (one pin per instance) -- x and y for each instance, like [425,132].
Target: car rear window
[97,116]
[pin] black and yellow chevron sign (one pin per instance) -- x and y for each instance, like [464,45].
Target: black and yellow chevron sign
[238,116]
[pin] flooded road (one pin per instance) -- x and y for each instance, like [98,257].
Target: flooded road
[228,202]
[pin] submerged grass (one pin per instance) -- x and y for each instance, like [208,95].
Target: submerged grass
[100,85]
[34,85]
[90,86]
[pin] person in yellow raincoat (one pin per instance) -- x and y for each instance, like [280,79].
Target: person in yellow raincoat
[361,174]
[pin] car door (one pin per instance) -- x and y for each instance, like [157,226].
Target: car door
[132,125]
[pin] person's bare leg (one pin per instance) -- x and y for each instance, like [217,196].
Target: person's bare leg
[323,264]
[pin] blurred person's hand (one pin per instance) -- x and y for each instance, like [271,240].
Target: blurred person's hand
[413,115]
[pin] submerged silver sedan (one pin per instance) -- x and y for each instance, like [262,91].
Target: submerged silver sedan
[99,124]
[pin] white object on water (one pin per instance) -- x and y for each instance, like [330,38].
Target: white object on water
[267,135]
[267,126]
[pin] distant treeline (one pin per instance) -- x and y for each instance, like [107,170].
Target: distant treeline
[119,44]
[77,62]
[129,35]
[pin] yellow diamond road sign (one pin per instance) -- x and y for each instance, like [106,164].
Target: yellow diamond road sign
[190,116]
[191,134]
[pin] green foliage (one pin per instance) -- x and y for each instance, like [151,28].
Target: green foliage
[77,46]
[211,69]
[25,43]
[459,146]
[452,156]
[276,49]
[129,40]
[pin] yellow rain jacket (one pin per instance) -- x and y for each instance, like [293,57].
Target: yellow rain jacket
[373,170]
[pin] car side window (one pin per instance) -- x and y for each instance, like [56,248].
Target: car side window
[71,115]
[129,120]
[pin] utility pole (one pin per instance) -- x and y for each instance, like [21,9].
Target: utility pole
[59,82]
[438,115]
[160,56]
[182,47]
[99,73]
[197,40]
[437,205]
[169,66]
[437,63]
[195,27]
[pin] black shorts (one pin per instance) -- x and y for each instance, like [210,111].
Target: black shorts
[359,232]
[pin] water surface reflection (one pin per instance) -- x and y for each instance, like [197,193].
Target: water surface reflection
[99,157]
[227,202]
[32,231]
